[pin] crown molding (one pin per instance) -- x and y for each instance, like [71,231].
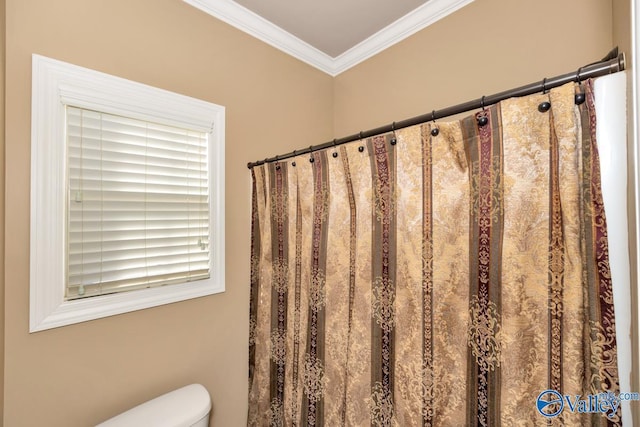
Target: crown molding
[251,23]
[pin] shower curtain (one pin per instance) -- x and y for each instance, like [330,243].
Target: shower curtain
[448,274]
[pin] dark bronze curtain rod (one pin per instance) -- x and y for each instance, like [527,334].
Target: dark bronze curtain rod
[612,63]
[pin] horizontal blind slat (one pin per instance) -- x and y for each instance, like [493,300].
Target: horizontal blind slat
[79,176]
[123,216]
[115,149]
[122,246]
[139,274]
[140,265]
[138,196]
[171,167]
[131,285]
[100,122]
[136,187]
[87,255]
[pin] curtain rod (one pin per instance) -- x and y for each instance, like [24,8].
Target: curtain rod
[611,63]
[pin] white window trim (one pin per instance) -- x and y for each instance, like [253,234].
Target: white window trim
[54,85]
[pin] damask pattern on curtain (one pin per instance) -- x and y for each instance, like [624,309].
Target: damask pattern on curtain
[439,280]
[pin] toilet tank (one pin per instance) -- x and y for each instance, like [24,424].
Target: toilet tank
[186,407]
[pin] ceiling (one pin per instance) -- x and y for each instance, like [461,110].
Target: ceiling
[332,26]
[332,35]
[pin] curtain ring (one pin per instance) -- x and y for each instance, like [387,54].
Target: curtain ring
[335,153]
[311,159]
[360,148]
[578,75]
[482,118]
[435,131]
[546,105]
[394,139]
[579,97]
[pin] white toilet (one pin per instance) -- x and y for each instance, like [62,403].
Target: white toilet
[188,406]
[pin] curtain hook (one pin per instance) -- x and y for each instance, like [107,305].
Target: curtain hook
[277,164]
[335,153]
[545,105]
[294,155]
[482,118]
[580,97]
[435,131]
[311,159]
[394,139]
[360,148]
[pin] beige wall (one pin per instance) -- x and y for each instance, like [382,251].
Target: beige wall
[622,26]
[82,374]
[484,48]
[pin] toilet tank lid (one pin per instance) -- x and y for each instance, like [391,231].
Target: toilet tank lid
[179,408]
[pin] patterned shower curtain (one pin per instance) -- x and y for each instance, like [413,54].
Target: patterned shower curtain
[448,278]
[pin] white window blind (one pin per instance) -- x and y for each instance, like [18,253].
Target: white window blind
[138,204]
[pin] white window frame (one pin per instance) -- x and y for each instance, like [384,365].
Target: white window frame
[56,84]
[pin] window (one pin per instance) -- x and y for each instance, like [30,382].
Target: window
[127,192]
[137,204]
